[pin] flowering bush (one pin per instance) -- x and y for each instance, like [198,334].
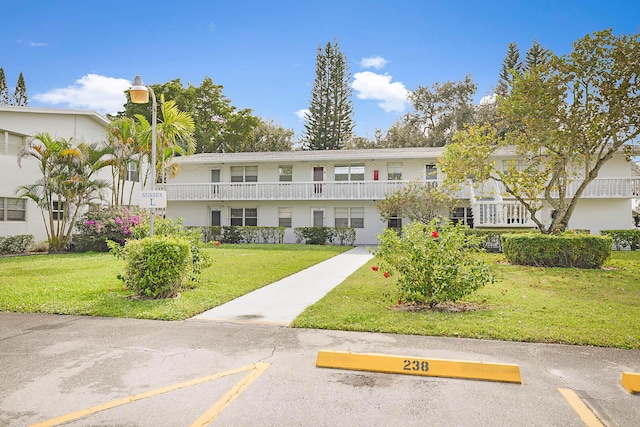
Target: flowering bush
[434,262]
[114,223]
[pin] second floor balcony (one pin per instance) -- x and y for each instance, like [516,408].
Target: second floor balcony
[355,190]
[320,190]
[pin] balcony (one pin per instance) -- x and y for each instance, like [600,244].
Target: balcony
[501,215]
[624,188]
[325,190]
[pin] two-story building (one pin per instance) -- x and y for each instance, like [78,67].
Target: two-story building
[17,125]
[341,188]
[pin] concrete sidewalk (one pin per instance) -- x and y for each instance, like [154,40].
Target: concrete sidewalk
[281,302]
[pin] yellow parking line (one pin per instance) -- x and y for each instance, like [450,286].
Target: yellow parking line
[213,412]
[115,403]
[587,417]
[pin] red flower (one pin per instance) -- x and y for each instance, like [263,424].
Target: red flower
[386,274]
[434,234]
[399,302]
[216,243]
[374,268]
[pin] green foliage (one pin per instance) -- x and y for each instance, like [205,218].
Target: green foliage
[624,238]
[19,96]
[232,234]
[345,236]
[418,201]
[565,250]
[314,235]
[156,267]
[173,228]
[112,223]
[434,262]
[17,244]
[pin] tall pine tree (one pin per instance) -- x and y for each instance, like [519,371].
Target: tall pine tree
[329,122]
[510,65]
[19,97]
[4,90]
[536,55]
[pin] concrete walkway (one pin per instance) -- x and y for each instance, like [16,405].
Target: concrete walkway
[281,302]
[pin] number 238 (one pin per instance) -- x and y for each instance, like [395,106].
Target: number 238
[416,365]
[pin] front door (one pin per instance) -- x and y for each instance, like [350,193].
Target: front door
[318,176]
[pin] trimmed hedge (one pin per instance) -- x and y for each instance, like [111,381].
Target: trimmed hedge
[237,234]
[565,250]
[17,244]
[345,236]
[157,267]
[624,238]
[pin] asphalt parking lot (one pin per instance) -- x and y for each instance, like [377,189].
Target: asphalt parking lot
[84,371]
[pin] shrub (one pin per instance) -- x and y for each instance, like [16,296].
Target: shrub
[156,267]
[565,250]
[434,262]
[624,238]
[17,244]
[113,223]
[345,236]
[173,228]
[314,235]
[232,234]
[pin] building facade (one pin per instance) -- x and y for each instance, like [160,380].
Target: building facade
[341,188]
[17,125]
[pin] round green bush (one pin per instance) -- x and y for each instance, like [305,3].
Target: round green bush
[565,250]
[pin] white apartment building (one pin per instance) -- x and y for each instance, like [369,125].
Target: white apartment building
[341,188]
[17,124]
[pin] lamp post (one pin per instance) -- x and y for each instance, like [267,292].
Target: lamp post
[140,95]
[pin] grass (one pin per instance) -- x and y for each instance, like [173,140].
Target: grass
[87,284]
[529,304]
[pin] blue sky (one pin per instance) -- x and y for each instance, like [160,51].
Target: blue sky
[80,54]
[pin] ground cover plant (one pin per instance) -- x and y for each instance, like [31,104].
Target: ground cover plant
[87,283]
[531,304]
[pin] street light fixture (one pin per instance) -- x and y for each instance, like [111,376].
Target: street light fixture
[140,95]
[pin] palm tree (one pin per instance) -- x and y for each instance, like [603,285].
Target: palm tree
[125,149]
[67,184]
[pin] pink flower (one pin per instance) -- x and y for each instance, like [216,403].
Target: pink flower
[386,274]
[434,234]
[374,268]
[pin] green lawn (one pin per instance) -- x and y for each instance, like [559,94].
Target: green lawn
[588,307]
[87,284]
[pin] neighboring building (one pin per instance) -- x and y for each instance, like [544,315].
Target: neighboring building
[17,124]
[341,188]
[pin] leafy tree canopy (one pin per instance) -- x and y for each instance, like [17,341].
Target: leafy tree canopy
[564,120]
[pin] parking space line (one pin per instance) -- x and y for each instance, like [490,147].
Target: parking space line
[115,403]
[588,418]
[213,412]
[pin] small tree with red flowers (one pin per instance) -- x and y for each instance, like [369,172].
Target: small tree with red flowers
[433,262]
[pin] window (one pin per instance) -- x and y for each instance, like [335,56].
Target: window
[349,172]
[394,222]
[394,171]
[464,215]
[132,172]
[349,217]
[512,163]
[244,173]
[58,210]
[285,173]
[12,209]
[12,144]
[244,216]
[431,172]
[284,217]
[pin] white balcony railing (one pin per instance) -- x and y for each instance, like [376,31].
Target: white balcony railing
[601,188]
[501,214]
[325,190]
[367,190]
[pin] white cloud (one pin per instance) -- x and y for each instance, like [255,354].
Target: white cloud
[38,44]
[392,96]
[302,114]
[93,92]
[376,62]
